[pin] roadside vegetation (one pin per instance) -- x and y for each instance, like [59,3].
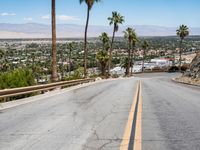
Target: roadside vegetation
[17,78]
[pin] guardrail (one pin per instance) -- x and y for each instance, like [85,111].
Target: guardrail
[40,88]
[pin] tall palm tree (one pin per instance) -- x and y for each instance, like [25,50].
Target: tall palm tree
[54,76]
[134,41]
[115,20]
[128,35]
[145,45]
[182,32]
[89,4]
[105,40]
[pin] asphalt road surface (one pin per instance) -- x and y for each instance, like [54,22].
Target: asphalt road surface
[95,117]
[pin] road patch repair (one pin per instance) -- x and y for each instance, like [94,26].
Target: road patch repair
[132,139]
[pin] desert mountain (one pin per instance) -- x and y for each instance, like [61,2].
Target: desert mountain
[35,30]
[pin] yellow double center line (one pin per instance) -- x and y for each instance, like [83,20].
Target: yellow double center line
[132,139]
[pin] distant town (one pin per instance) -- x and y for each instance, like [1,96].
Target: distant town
[36,54]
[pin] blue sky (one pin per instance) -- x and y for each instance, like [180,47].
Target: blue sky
[170,13]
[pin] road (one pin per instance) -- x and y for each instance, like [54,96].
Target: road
[100,116]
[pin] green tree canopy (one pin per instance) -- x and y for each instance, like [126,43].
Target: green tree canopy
[183,31]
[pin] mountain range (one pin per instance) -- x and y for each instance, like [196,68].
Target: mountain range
[36,30]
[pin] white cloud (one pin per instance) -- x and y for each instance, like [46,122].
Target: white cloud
[8,14]
[28,19]
[67,18]
[46,17]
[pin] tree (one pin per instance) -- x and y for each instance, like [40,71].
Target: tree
[182,32]
[134,41]
[115,20]
[145,45]
[105,40]
[89,4]
[54,76]
[102,57]
[128,35]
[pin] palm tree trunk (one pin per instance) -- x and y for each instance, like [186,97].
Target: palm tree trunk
[85,43]
[132,53]
[180,54]
[110,52]
[54,76]
[103,69]
[143,60]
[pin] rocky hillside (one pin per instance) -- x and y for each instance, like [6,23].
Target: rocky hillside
[194,67]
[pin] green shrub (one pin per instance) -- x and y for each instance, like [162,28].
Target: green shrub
[16,78]
[78,74]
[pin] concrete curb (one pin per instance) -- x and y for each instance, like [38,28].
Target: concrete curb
[181,82]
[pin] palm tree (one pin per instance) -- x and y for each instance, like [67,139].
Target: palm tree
[102,57]
[134,41]
[145,45]
[89,4]
[115,20]
[182,32]
[105,40]
[54,76]
[128,34]
[70,46]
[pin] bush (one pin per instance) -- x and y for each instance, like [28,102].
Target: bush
[173,69]
[94,75]
[115,76]
[78,74]
[184,67]
[16,78]
[156,69]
